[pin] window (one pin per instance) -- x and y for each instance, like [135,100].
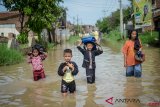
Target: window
[2,34]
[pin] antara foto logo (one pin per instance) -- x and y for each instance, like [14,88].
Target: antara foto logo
[124,100]
[110,100]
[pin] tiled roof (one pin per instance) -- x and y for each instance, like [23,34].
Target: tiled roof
[7,15]
[11,17]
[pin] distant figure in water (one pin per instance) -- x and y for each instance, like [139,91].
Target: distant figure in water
[35,58]
[68,69]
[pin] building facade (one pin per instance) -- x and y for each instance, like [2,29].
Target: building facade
[9,23]
[156,14]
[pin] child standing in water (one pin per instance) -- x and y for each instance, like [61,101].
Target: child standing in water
[68,69]
[35,58]
[130,49]
[89,60]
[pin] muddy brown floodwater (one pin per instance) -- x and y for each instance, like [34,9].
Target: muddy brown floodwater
[17,88]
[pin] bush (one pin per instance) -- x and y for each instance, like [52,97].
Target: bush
[73,38]
[50,45]
[150,38]
[113,35]
[22,38]
[9,56]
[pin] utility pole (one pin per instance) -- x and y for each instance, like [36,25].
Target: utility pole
[74,26]
[132,14]
[73,20]
[121,18]
[77,20]
[77,24]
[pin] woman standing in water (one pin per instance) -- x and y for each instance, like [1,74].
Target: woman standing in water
[133,56]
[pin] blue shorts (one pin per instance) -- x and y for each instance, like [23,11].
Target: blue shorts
[135,70]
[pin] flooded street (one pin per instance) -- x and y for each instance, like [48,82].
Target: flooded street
[17,88]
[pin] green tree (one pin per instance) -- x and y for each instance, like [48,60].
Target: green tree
[43,14]
[40,13]
[112,22]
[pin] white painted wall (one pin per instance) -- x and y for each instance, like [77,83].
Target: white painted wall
[8,28]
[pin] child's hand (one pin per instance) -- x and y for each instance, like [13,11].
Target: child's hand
[70,65]
[97,42]
[45,53]
[29,54]
[65,68]
[80,43]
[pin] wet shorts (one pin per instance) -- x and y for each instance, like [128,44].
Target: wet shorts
[38,74]
[135,70]
[65,87]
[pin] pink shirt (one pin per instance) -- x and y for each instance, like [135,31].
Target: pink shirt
[36,62]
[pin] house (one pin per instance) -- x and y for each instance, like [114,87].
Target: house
[87,28]
[156,14]
[9,23]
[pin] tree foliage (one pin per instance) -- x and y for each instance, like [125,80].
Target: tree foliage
[40,13]
[111,22]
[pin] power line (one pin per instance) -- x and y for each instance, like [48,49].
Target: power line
[91,3]
[88,5]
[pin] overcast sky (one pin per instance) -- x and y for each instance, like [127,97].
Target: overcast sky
[88,11]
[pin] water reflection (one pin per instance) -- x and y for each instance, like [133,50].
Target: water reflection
[18,89]
[133,89]
[89,101]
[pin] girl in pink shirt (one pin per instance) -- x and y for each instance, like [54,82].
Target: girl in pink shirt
[36,58]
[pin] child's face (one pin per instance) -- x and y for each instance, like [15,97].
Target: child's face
[35,52]
[89,46]
[134,34]
[67,57]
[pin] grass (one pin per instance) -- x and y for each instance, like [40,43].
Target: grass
[150,38]
[50,45]
[21,46]
[73,38]
[113,35]
[9,56]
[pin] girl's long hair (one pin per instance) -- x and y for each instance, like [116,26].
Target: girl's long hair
[137,42]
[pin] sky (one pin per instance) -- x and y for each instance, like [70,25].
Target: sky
[88,11]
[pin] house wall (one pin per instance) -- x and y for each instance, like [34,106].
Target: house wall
[156,14]
[62,35]
[8,28]
[9,22]
[157,3]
